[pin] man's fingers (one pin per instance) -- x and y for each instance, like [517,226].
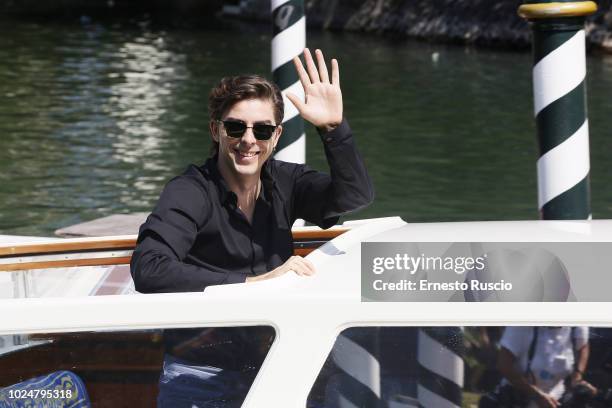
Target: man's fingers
[322,67]
[301,270]
[302,74]
[306,267]
[310,67]
[301,266]
[309,265]
[335,73]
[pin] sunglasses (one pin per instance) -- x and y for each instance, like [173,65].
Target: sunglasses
[236,129]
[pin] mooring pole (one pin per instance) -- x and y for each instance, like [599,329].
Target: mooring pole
[440,359]
[559,88]
[289,40]
[357,384]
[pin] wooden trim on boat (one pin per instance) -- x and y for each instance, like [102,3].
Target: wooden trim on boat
[68,245]
[305,241]
[326,235]
[65,263]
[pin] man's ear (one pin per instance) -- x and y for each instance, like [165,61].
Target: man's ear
[214,130]
[279,130]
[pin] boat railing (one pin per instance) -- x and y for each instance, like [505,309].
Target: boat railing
[117,250]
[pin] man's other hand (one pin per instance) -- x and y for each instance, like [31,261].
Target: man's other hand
[546,401]
[296,263]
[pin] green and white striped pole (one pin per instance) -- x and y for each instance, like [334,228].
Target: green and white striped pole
[559,88]
[289,40]
[440,362]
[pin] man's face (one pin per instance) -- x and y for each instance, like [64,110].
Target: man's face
[244,156]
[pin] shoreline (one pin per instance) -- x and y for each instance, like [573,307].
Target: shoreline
[467,22]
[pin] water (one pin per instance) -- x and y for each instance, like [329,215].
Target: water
[96,116]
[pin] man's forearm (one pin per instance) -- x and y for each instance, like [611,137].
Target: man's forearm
[156,270]
[582,359]
[519,382]
[352,185]
[517,379]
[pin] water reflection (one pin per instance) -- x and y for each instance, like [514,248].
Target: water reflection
[97,116]
[139,104]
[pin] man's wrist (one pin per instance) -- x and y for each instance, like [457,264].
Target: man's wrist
[329,127]
[577,375]
[338,134]
[534,391]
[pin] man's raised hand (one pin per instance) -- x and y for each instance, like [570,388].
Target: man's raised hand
[322,105]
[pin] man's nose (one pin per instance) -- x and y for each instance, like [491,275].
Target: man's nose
[249,136]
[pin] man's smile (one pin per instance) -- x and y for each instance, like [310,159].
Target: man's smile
[245,153]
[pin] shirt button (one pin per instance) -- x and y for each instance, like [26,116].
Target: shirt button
[329,139]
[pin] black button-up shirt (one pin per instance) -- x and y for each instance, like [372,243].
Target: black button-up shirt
[197,236]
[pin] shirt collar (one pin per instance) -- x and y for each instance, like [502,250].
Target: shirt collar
[267,183]
[225,194]
[228,196]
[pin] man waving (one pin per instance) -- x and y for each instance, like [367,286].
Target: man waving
[229,221]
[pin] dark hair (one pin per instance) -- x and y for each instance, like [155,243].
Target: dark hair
[231,90]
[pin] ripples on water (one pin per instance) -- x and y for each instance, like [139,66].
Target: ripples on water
[95,118]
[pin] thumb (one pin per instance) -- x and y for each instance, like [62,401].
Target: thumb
[296,101]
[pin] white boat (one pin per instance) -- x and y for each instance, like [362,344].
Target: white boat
[307,313]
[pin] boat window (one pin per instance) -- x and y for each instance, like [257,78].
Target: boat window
[124,368]
[399,367]
[67,282]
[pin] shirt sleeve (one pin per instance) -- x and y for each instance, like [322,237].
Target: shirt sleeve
[516,340]
[581,336]
[322,198]
[165,239]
